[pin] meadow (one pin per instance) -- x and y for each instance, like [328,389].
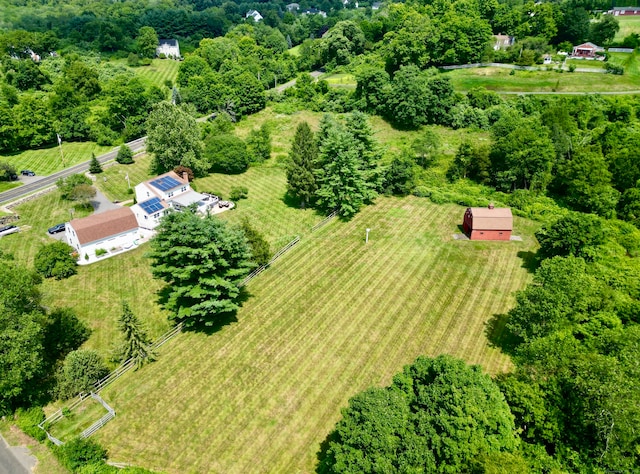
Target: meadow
[330,318]
[628,25]
[501,80]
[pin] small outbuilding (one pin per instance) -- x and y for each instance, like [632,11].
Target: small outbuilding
[488,223]
[586,50]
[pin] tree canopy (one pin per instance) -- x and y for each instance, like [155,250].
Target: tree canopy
[202,261]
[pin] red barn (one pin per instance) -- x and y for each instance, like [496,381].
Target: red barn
[488,223]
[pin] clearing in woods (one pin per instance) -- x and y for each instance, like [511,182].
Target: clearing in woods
[330,318]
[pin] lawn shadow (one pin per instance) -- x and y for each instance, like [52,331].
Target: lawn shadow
[219,322]
[499,335]
[529,260]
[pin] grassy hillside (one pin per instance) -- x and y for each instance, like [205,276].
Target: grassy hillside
[332,317]
[158,72]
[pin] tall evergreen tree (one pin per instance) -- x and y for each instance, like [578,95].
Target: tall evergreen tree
[125,155]
[136,344]
[300,176]
[94,166]
[342,183]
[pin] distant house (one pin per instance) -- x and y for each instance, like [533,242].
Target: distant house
[503,42]
[255,14]
[111,232]
[624,11]
[169,48]
[488,223]
[34,56]
[165,193]
[547,59]
[376,6]
[586,50]
[293,7]
[315,11]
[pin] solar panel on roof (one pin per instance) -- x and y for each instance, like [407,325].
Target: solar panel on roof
[152,205]
[166,183]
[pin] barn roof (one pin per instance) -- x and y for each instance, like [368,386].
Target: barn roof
[497,218]
[103,225]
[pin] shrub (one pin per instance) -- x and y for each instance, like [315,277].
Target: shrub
[80,370]
[133,60]
[80,452]
[227,154]
[100,252]
[238,192]
[28,420]
[55,260]
[125,155]
[68,184]
[572,67]
[613,69]
[260,250]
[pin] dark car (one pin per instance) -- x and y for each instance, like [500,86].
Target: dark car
[56,228]
[27,173]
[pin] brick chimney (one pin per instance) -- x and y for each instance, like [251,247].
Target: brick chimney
[185,176]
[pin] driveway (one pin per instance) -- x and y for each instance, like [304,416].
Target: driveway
[15,460]
[100,203]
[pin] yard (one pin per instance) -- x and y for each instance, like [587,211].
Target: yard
[330,318]
[158,72]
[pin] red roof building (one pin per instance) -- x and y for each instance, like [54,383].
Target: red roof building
[586,50]
[488,223]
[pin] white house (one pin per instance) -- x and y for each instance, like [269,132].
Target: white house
[255,14]
[104,234]
[162,194]
[169,48]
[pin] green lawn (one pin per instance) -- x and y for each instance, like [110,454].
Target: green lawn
[45,161]
[585,64]
[630,62]
[7,185]
[341,80]
[79,419]
[499,79]
[329,319]
[628,25]
[158,72]
[116,185]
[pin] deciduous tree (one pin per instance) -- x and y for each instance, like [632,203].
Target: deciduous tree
[174,138]
[55,260]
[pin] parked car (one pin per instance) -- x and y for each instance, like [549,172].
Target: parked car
[56,228]
[27,173]
[8,229]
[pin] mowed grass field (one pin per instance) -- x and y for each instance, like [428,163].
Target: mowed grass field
[330,318]
[45,161]
[628,25]
[157,72]
[499,79]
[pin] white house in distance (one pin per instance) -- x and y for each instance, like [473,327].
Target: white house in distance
[169,48]
[255,14]
[108,233]
[158,196]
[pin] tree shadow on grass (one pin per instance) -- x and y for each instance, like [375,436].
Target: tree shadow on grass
[219,321]
[323,466]
[529,260]
[498,334]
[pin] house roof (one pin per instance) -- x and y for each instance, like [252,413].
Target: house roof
[103,225]
[485,218]
[188,198]
[163,184]
[587,45]
[168,42]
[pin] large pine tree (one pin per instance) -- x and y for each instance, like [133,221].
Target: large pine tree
[136,344]
[300,175]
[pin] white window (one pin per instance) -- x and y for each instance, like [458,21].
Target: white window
[183,189]
[170,194]
[156,215]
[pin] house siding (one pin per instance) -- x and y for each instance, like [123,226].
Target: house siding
[490,235]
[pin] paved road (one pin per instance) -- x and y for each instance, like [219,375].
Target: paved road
[45,181]
[15,460]
[136,145]
[286,85]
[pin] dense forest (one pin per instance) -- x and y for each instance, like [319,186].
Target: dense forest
[571,403]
